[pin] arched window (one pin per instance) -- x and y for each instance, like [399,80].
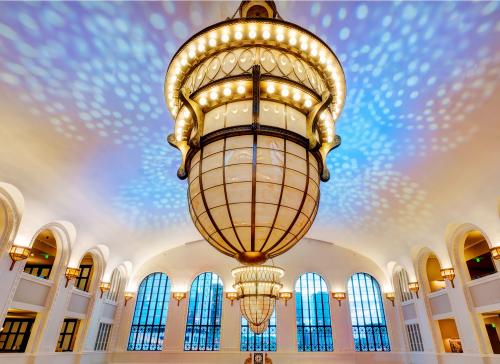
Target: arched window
[116,280]
[263,342]
[150,314]
[204,313]
[402,285]
[369,327]
[314,326]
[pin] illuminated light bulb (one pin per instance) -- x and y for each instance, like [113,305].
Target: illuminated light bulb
[238,35]
[226,91]
[308,103]
[178,138]
[201,47]
[296,96]
[191,53]
[285,92]
[187,113]
[252,34]
[212,42]
[266,34]
[241,89]
[280,37]
[183,61]
[181,122]
[293,41]
[270,88]
[303,46]
[179,131]
[322,116]
[224,38]
[177,70]
[214,95]
[329,139]
[203,100]
[322,59]
[314,52]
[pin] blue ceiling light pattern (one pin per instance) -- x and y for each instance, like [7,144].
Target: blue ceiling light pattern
[94,71]
[412,79]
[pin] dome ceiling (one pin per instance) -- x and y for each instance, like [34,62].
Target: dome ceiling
[84,124]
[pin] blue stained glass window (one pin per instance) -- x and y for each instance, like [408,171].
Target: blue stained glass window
[263,342]
[369,327]
[204,313]
[150,314]
[314,326]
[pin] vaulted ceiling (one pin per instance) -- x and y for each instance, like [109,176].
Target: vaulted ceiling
[84,124]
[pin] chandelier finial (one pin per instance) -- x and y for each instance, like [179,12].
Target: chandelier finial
[258,9]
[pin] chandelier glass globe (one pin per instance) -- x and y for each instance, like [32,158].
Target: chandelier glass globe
[255,100]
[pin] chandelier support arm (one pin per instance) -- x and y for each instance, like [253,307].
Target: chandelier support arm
[255,96]
[313,116]
[324,150]
[184,148]
[198,118]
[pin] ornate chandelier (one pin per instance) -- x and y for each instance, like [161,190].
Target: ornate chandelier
[255,100]
[258,288]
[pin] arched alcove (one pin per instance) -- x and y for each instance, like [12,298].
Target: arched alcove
[401,282]
[11,208]
[433,272]
[5,221]
[117,285]
[477,256]
[43,255]
[85,278]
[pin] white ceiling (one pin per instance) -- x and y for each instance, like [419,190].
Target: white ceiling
[83,121]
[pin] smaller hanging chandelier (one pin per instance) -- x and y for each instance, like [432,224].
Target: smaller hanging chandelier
[258,289]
